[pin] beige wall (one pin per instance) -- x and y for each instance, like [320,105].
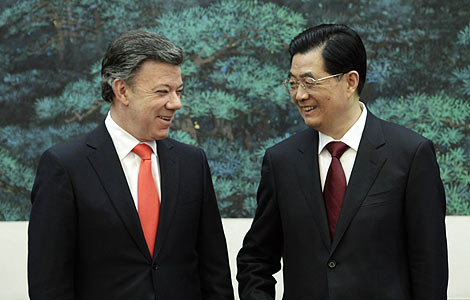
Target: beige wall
[13,252]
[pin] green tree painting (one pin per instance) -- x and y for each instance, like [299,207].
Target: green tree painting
[236,58]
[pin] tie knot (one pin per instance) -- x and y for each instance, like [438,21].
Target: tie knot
[143,150]
[336,149]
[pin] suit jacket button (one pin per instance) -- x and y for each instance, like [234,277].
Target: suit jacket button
[332,264]
[155,267]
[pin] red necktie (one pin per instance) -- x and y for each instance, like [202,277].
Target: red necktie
[335,184]
[147,195]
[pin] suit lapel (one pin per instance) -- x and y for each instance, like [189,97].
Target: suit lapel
[369,161]
[169,170]
[105,162]
[309,179]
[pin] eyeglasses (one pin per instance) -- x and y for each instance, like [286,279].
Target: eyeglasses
[308,83]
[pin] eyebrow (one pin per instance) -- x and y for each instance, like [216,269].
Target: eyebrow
[167,86]
[303,75]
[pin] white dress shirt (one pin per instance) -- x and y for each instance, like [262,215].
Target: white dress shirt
[124,142]
[352,138]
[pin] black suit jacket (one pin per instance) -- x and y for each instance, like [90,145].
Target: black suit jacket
[390,241]
[85,238]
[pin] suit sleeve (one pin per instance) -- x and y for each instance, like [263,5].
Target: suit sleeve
[260,255]
[214,269]
[425,224]
[51,233]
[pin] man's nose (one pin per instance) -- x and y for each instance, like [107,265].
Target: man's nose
[175,101]
[301,93]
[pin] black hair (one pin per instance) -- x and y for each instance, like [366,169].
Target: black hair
[343,50]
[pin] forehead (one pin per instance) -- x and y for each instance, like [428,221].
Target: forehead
[154,73]
[309,63]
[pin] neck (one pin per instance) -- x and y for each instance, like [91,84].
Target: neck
[115,115]
[351,117]
[118,118]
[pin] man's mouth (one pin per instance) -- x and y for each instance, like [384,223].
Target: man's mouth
[308,108]
[165,118]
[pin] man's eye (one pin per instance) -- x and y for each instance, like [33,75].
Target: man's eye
[162,92]
[180,92]
[310,81]
[310,84]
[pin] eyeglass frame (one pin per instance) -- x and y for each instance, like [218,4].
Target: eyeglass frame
[305,85]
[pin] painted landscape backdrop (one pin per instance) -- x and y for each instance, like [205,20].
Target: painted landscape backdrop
[236,59]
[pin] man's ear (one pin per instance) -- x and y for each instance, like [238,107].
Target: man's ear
[121,91]
[352,80]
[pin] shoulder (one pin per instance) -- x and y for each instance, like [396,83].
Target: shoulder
[180,146]
[73,153]
[70,149]
[398,140]
[182,149]
[298,140]
[398,134]
[80,145]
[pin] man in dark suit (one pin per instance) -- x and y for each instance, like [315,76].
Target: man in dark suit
[98,229]
[364,222]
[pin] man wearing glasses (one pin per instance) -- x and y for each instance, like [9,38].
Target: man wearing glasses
[353,205]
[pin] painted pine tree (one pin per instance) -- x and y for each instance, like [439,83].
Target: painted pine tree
[236,57]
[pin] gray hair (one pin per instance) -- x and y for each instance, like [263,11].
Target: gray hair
[128,51]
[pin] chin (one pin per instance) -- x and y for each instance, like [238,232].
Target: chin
[160,135]
[312,124]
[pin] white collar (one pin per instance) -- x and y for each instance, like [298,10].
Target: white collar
[123,141]
[352,138]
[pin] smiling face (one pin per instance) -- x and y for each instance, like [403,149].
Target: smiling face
[146,106]
[332,106]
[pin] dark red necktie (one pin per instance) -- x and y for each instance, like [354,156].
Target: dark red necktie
[335,184]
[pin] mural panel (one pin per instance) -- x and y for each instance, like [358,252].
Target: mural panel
[236,58]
